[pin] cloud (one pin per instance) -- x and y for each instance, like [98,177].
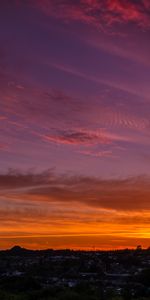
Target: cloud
[2,118]
[81,137]
[129,87]
[66,120]
[3,147]
[68,207]
[113,194]
[98,13]
[127,11]
[46,104]
[105,153]
[14,179]
[119,194]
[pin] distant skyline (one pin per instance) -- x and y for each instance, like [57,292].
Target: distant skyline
[75,124]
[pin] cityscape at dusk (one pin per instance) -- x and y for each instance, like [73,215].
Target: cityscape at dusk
[75,124]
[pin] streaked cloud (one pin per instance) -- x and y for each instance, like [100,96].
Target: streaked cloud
[119,194]
[74,94]
[47,206]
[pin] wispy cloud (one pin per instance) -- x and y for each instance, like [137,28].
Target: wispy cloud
[100,78]
[100,154]
[75,97]
[120,194]
[80,137]
[84,137]
[71,208]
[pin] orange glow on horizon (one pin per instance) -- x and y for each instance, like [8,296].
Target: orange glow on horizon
[75,124]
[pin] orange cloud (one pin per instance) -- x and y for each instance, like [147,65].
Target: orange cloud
[120,194]
[73,211]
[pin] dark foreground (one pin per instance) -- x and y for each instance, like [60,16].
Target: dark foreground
[74,275]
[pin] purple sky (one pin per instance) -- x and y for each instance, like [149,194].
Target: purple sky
[75,90]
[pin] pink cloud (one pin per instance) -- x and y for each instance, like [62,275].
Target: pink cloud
[96,12]
[100,154]
[2,118]
[146,4]
[128,11]
[111,82]
[83,137]
[80,137]
[3,147]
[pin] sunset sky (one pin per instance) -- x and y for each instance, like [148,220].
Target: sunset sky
[74,123]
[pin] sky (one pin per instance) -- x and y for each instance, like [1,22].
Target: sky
[75,124]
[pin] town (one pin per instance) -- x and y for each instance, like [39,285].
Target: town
[74,275]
